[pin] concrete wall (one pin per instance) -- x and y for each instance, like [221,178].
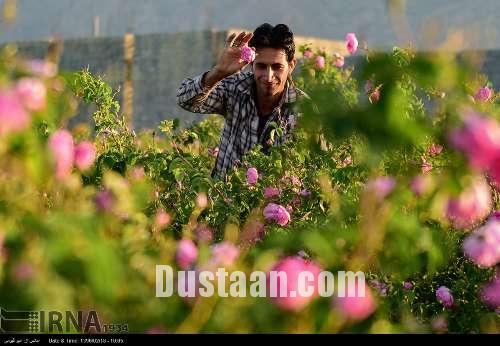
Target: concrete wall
[161,62]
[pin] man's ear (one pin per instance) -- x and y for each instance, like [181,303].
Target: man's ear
[292,64]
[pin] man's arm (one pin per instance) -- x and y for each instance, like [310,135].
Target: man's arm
[208,92]
[205,94]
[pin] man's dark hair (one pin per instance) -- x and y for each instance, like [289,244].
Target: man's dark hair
[279,37]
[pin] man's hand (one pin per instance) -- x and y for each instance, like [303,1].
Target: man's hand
[230,61]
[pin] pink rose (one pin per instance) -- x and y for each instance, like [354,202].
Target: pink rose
[202,200]
[203,234]
[338,60]
[351,43]
[479,140]
[224,254]
[104,200]
[42,68]
[305,193]
[277,213]
[186,253]
[358,307]
[347,161]
[381,186]
[420,184]
[426,166]
[137,172]
[308,54]
[407,285]
[84,155]
[162,218]
[483,94]
[295,180]
[444,296]
[439,324]
[471,206]
[494,173]
[379,286]
[32,93]
[368,86]
[483,245]
[62,148]
[320,62]
[23,271]
[434,149]
[374,96]
[253,232]
[270,192]
[495,215]
[372,92]
[490,294]
[156,330]
[252,176]
[292,267]
[13,117]
[213,152]
[247,54]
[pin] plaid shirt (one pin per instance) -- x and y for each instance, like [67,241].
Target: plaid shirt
[234,98]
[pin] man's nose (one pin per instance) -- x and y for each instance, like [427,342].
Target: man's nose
[269,74]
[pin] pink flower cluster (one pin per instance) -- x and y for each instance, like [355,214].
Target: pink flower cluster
[186,253]
[28,95]
[434,149]
[203,234]
[407,285]
[359,307]
[483,94]
[426,165]
[293,266]
[213,152]
[338,60]
[372,92]
[13,116]
[42,68]
[490,293]
[381,187]
[308,54]
[32,93]
[270,192]
[444,296]
[162,218]
[320,62]
[224,254]
[471,206]
[351,42]
[277,213]
[421,184]
[479,140]
[252,176]
[247,54]
[65,153]
[483,246]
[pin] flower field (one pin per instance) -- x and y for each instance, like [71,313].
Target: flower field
[393,169]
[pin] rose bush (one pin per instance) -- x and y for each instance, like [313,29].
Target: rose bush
[87,215]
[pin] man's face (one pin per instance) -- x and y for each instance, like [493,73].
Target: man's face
[271,70]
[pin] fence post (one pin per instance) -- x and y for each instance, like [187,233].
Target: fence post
[128,88]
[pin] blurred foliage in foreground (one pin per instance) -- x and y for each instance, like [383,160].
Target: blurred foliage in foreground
[385,173]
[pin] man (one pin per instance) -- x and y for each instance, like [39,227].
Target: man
[249,101]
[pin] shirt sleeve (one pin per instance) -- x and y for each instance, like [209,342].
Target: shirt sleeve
[193,97]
